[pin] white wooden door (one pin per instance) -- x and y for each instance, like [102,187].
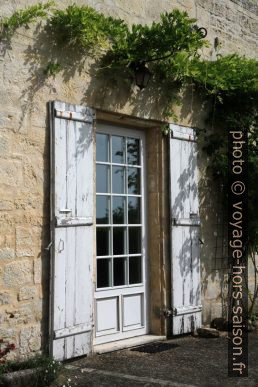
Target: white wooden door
[185,257]
[71,298]
[120,294]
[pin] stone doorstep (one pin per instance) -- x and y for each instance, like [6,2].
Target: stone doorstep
[21,378]
[126,343]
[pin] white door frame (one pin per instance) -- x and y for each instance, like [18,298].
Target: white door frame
[121,291]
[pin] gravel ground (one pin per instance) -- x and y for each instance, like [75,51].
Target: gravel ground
[194,362]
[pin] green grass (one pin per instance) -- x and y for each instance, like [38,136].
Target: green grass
[48,369]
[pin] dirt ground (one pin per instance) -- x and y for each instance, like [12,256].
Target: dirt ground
[193,362]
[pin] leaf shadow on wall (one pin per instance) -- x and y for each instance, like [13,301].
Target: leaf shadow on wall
[211,271]
[111,92]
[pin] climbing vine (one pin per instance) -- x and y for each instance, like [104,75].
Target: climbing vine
[230,82]
[23,17]
[85,29]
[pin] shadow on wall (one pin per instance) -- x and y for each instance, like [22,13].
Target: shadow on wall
[102,90]
[213,239]
[185,240]
[108,92]
[214,255]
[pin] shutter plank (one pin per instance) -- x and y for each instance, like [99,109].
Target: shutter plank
[69,347]
[178,270]
[58,349]
[187,260]
[193,197]
[59,255]
[84,286]
[84,198]
[60,166]
[185,175]
[71,170]
[196,265]
[59,278]
[70,277]
[82,344]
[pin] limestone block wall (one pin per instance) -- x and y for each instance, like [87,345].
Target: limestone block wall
[24,144]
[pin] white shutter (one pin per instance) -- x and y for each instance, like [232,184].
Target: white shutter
[71,299]
[185,257]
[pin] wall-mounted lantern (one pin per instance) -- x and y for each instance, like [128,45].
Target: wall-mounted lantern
[142,74]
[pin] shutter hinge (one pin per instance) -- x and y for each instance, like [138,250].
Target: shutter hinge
[76,116]
[167,313]
[181,311]
[186,310]
[192,221]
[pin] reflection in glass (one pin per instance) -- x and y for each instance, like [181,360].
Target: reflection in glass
[135,270]
[118,179]
[134,210]
[118,240]
[102,210]
[134,240]
[118,210]
[118,206]
[133,151]
[102,241]
[118,149]
[103,273]
[102,179]
[134,181]
[102,152]
[119,267]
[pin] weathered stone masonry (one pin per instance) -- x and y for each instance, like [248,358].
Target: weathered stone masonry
[24,152]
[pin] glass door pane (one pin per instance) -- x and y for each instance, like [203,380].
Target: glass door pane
[119,207]
[102,209]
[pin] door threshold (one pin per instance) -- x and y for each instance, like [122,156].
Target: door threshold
[126,343]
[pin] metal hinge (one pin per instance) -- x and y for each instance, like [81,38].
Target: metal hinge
[186,221]
[186,310]
[76,116]
[181,311]
[167,312]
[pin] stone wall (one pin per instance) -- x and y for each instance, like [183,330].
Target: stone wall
[24,146]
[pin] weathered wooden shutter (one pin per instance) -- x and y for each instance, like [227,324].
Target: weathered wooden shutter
[72,230]
[185,257]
